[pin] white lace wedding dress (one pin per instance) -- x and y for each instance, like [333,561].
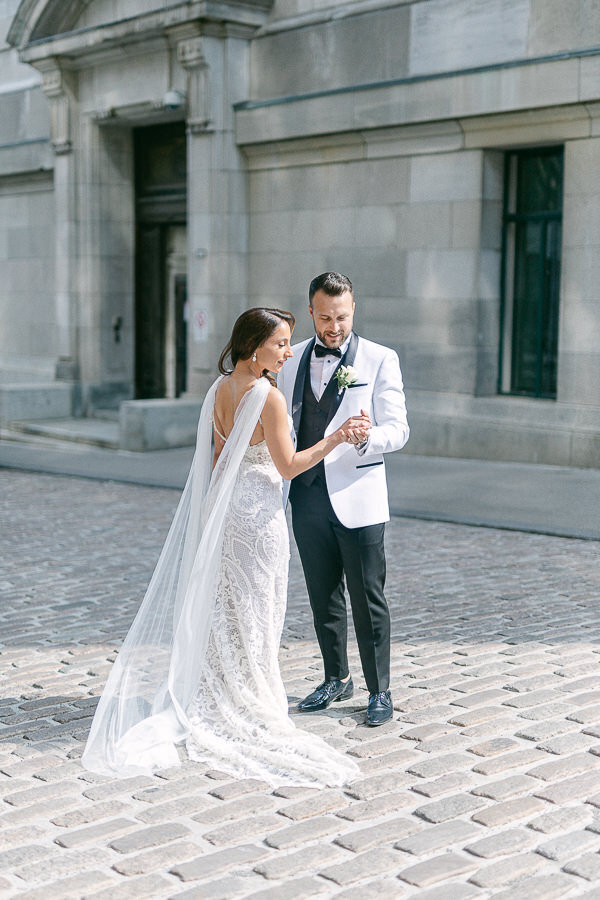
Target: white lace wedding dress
[200,663]
[239,716]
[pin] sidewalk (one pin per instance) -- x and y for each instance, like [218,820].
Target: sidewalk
[542,499]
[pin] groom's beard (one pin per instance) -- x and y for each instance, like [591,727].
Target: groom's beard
[333,341]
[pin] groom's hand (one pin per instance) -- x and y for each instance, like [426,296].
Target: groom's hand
[355,430]
[360,432]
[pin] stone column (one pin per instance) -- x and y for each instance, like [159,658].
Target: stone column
[60,87]
[106,263]
[217,73]
[200,129]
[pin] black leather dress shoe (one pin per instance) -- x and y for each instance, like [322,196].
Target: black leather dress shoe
[380,708]
[327,693]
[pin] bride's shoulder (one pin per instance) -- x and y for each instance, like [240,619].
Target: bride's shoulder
[275,401]
[275,396]
[222,384]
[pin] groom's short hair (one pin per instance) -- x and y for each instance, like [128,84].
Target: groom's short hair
[331,283]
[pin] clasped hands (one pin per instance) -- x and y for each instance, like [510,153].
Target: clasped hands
[355,430]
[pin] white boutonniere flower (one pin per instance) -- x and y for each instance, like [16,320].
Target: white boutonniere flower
[345,376]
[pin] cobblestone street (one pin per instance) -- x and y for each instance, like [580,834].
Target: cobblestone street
[485,784]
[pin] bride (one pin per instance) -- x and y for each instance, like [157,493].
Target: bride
[199,664]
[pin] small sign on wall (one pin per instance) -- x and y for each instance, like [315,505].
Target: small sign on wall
[200,326]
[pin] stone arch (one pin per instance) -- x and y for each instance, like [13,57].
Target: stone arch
[39,19]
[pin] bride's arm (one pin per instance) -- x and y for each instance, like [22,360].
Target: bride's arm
[288,461]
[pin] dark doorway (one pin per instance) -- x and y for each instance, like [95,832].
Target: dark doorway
[160,302]
[181,334]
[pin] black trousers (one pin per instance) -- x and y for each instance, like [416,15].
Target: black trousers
[328,552]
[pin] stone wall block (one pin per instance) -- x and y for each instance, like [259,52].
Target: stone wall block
[581,328]
[158,424]
[556,26]
[375,226]
[488,280]
[589,68]
[449,176]
[427,224]
[357,50]
[442,273]
[579,377]
[581,174]
[436,367]
[35,401]
[439,40]
[466,224]
[585,450]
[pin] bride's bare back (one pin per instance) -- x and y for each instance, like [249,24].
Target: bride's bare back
[229,396]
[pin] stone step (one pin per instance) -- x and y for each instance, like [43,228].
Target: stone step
[106,415]
[94,432]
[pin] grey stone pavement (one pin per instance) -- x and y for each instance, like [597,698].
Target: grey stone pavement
[485,784]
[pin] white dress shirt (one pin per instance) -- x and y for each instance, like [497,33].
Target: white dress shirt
[323,367]
[321,370]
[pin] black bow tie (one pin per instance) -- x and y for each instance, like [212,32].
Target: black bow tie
[320,350]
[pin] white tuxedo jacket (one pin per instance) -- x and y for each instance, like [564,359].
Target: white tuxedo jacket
[356,483]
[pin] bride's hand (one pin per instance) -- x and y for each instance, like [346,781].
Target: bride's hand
[355,430]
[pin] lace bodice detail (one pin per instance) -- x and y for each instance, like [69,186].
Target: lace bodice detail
[258,454]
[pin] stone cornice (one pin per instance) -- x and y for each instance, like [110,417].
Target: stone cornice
[43,28]
[521,128]
[563,83]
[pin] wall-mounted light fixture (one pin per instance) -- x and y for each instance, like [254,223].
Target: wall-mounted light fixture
[174,99]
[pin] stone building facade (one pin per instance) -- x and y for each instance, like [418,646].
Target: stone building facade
[164,166]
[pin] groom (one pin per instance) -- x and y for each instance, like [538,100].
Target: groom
[339,507]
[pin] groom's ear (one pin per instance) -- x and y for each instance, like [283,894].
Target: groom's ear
[310,311]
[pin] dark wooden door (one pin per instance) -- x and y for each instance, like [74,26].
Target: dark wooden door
[161,202]
[180,335]
[150,313]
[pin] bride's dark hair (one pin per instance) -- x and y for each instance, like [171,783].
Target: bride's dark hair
[250,331]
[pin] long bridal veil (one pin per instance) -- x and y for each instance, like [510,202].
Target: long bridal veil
[142,713]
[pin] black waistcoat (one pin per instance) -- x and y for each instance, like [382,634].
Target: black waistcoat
[313,422]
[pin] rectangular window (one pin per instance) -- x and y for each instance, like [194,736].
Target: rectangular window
[531,247]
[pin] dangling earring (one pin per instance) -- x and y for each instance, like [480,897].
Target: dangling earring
[254,357]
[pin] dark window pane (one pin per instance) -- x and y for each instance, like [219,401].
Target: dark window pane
[540,183]
[549,337]
[532,248]
[527,300]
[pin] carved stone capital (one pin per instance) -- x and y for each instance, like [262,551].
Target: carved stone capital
[57,85]
[52,83]
[190,53]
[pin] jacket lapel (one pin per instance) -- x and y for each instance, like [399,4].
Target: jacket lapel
[299,385]
[347,360]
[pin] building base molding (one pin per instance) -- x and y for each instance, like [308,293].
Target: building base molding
[508,429]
